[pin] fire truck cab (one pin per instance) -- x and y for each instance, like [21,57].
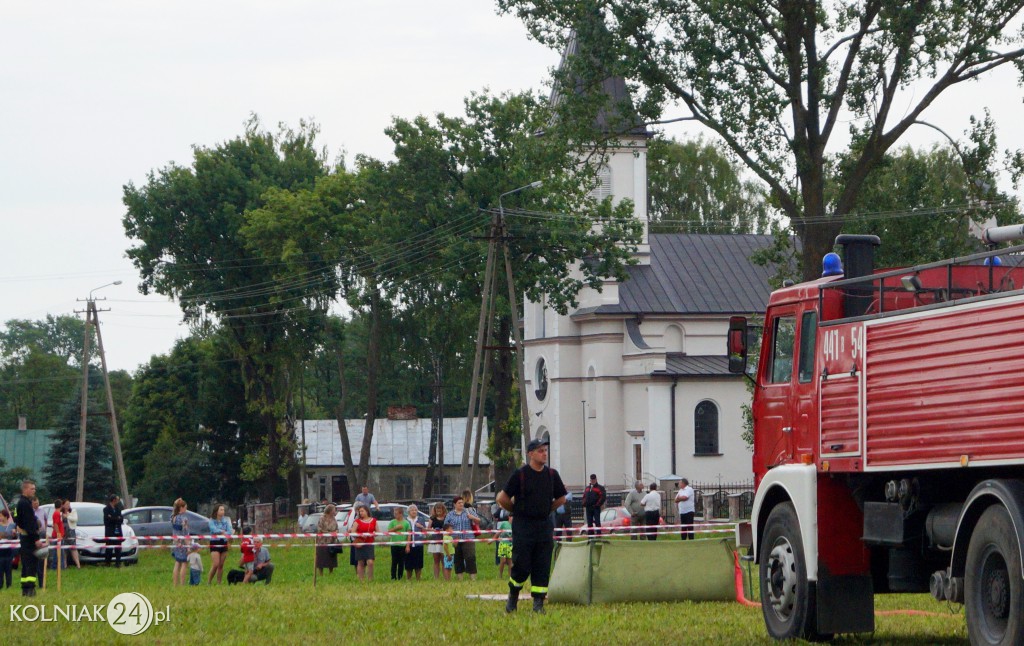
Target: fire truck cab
[889,441]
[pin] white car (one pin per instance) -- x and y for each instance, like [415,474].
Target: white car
[90,533]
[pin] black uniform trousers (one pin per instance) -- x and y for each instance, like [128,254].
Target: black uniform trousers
[29,566]
[532,546]
[593,519]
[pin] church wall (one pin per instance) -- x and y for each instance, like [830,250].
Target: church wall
[734,460]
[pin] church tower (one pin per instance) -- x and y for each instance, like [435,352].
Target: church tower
[572,361]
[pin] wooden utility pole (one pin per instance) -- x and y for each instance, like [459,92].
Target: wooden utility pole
[92,318]
[498,241]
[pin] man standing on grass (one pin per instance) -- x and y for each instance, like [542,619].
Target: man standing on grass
[635,508]
[593,499]
[531,494]
[28,534]
[112,530]
[366,499]
[684,501]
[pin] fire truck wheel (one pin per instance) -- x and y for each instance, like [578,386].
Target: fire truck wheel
[994,590]
[787,604]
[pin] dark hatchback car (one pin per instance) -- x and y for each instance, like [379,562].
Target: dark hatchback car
[156,521]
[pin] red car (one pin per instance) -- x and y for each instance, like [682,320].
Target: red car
[614,520]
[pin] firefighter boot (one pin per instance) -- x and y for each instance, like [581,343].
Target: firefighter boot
[538,605]
[513,598]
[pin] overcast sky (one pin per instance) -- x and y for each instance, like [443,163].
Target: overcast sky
[96,94]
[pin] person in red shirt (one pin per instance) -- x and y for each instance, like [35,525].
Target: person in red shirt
[58,530]
[364,528]
[248,554]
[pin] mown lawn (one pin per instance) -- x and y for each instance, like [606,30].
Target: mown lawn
[342,610]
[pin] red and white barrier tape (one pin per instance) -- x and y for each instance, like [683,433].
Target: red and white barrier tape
[383,538]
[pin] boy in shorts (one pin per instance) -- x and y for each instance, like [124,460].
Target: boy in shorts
[248,554]
[504,537]
[448,543]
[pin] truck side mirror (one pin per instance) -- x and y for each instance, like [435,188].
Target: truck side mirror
[737,344]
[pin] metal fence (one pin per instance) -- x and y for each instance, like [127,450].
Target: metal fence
[712,498]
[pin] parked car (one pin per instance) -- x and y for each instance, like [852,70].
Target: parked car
[309,524]
[156,521]
[90,534]
[614,520]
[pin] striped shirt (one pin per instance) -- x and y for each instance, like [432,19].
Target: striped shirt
[462,524]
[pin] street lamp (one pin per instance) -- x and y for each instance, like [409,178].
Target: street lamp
[116,282]
[520,358]
[501,209]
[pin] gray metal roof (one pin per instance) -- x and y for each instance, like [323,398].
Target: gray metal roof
[695,274]
[618,115]
[395,442]
[703,366]
[27,449]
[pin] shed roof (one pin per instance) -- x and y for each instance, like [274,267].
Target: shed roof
[26,449]
[395,442]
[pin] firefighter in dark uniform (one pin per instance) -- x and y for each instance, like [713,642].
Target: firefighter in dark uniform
[531,494]
[28,533]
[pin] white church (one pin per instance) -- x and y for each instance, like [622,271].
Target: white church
[633,384]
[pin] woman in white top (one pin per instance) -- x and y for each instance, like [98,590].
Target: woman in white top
[70,539]
[652,509]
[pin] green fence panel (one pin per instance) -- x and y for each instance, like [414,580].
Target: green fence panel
[601,571]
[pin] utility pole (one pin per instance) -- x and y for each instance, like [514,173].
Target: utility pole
[92,318]
[498,238]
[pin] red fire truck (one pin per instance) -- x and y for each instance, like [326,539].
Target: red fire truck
[889,441]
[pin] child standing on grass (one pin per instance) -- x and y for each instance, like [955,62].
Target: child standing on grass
[195,565]
[448,548]
[398,536]
[504,538]
[248,554]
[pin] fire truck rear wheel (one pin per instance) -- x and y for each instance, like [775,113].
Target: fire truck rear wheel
[786,600]
[994,590]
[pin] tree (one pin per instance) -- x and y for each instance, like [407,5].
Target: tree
[921,203]
[39,369]
[694,187]
[774,80]
[188,222]
[10,481]
[61,469]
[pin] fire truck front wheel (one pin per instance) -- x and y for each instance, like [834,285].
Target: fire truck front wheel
[787,600]
[994,590]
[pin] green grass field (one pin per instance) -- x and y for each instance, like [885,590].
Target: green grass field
[342,610]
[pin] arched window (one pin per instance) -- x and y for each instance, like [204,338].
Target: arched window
[674,337]
[543,434]
[604,183]
[705,428]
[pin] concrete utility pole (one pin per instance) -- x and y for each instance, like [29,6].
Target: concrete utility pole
[498,237]
[92,318]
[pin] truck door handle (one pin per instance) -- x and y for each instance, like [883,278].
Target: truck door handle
[787,429]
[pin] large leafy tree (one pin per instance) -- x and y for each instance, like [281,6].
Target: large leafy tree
[500,144]
[695,187]
[776,82]
[188,221]
[39,369]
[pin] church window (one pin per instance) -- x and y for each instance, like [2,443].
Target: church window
[541,380]
[705,424]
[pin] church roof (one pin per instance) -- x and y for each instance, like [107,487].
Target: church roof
[615,116]
[682,365]
[695,274]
